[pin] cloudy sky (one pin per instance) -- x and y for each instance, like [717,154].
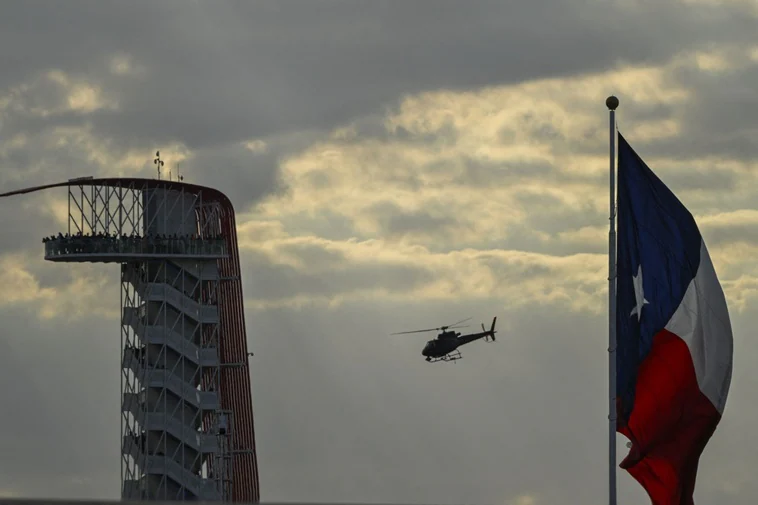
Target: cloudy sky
[394,165]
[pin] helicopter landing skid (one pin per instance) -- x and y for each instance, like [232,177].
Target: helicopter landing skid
[453,356]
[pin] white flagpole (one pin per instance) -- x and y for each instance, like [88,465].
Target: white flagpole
[612,103]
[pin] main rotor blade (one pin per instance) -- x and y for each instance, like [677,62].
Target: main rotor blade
[451,326]
[459,322]
[414,331]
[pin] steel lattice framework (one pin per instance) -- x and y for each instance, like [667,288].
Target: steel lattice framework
[187,417]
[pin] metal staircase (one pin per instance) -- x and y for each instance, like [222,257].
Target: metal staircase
[172,360]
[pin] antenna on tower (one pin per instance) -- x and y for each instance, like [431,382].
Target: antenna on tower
[159,162]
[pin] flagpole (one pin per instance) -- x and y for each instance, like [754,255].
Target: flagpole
[612,103]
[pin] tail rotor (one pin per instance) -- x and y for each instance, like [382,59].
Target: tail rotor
[491,331]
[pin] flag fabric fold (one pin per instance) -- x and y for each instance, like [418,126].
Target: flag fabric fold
[674,336]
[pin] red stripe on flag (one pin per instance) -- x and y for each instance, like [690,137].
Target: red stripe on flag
[670,424]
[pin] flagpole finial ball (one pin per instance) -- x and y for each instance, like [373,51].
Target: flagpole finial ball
[612,102]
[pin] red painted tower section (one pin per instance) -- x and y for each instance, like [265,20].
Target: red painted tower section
[236,393]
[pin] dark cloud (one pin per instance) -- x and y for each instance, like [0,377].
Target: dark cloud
[244,176]
[548,214]
[228,72]
[730,233]
[717,122]
[325,223]
[48,156]
[484,175]
[211,77]
[700,179]
[395,222]
[726,101]
[443,135]
[23,224]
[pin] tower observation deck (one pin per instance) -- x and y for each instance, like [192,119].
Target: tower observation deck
[186,408]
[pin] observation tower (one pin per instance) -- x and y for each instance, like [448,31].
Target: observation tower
[186,408]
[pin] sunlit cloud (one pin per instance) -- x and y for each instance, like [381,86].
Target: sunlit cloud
[75,294]
[479,188]
[331,272]
[124,65]
[19,285]
[525,499]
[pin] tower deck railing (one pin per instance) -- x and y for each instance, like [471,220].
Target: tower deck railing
[62,248]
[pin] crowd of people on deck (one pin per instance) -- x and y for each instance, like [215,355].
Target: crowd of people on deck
[100,242]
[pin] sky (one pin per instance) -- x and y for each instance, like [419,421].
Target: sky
[394,166]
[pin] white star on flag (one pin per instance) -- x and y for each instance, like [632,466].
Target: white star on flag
[639,294]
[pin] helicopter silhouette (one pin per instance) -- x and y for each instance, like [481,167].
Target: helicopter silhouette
[446,346]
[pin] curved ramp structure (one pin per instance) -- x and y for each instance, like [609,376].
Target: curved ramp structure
[187,415]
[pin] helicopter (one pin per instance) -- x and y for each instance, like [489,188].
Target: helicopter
[446,346]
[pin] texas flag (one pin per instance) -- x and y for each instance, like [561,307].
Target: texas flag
[674,353]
